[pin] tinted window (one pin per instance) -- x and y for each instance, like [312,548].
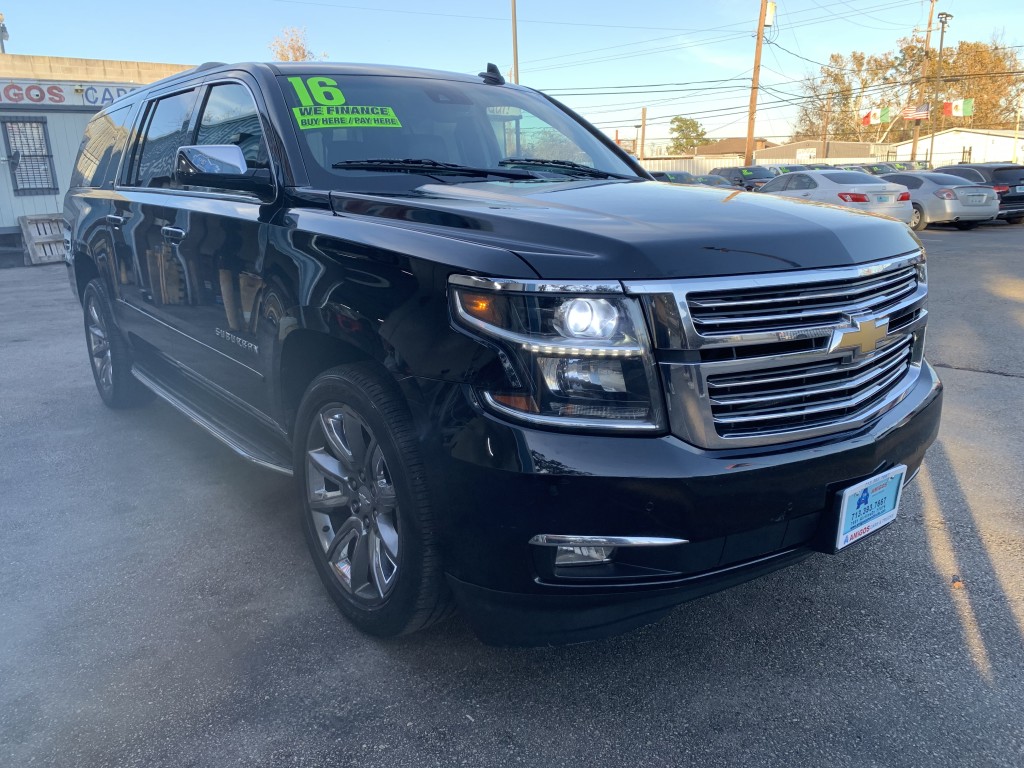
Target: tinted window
[803,181]
[101,149]
[777,184]
[965,173]
[850,177]
[230,116]
[1009,176]
[910,182]
[756,172]
[944,179]
[166,127]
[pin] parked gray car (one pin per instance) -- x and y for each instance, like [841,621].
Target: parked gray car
[942,198]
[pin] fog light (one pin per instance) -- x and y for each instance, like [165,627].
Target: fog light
[583,555]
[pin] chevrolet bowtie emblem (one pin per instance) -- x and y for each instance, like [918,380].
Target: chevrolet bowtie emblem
[862,337]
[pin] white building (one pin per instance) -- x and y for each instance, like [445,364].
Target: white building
[964,145]
[45,104]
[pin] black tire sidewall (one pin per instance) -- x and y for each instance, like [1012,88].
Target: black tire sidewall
[346,386]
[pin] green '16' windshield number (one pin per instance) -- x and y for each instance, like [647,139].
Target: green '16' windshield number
[317,90]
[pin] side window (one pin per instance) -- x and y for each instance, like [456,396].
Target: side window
[101,149]
[230,116]
[777,184]
[910,182]
[29,158]
[803,181]
[166,130]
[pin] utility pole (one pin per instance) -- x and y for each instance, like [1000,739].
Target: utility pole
[824,131]
[1016,125]
[921,81]
[748,156]
[943,21]
[515,46]
[643,132]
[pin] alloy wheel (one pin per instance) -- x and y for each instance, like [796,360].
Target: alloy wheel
[353,503]
[99,345]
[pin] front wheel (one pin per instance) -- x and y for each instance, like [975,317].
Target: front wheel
[917,220]
[366,509]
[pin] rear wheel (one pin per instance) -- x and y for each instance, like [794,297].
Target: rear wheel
[1014,219]
[365,505]
[965,225]
[108,353]
[917,220]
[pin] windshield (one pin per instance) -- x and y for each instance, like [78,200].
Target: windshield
[344,119]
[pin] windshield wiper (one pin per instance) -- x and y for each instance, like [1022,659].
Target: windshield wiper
[567,165]
[429,167]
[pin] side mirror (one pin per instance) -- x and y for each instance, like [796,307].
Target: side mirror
[222,166]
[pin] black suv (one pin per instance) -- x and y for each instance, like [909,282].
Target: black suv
[503,364]
[749,177]
[1007,179]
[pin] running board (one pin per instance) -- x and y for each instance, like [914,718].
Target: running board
[240,441]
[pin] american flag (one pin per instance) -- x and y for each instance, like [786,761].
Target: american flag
[919,112]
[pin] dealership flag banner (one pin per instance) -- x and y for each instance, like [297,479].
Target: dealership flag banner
[958,108]
[875,115]
[920,112]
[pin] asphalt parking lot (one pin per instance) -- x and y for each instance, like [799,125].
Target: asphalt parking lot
[158,606]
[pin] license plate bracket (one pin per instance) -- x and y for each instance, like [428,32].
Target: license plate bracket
[869,505]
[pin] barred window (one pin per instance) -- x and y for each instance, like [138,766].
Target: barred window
[28,155]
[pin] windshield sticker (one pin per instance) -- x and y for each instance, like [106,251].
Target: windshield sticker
[745,172]
[323,106]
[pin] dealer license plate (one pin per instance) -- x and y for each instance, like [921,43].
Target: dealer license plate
[883,198]
[869,505]
[975,198]
[1020,190]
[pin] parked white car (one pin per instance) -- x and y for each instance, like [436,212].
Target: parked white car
[851,189]
[942,198]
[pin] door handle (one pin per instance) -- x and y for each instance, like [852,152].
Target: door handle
[115,220]
[173,233]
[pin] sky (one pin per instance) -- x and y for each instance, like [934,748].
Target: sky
[604,59]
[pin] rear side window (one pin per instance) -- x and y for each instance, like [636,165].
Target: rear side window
[803,181]
[166,129]
[101,149]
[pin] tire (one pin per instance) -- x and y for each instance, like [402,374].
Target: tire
[1014,219]
[917,219]
[109,356]
[966,225]
[365,505]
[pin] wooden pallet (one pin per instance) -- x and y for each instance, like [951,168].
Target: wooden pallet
[44,238]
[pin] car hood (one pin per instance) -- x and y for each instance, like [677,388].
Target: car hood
[593,230]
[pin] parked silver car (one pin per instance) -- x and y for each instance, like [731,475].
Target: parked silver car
[942,198]
[850,189]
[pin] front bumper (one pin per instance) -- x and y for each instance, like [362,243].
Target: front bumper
[743,512]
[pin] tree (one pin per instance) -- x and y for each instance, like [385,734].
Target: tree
[291,45]
[849,85]
[687,135]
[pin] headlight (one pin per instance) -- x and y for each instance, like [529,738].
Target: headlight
[567,358]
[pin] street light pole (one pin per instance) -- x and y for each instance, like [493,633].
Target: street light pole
[920,88]
[943,21]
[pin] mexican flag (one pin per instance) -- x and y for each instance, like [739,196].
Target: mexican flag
[958,108]
[875,115]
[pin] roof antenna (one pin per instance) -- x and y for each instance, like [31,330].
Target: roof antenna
[493,75]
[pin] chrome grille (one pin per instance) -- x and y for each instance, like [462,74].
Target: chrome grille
[759,360]
[807,395]
[799,306]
